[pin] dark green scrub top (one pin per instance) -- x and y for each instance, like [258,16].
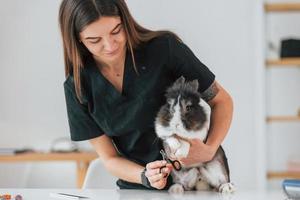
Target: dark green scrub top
[128,117]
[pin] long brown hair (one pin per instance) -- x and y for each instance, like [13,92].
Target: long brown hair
[74,15]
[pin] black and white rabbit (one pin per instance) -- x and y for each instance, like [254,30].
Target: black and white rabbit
[187,116]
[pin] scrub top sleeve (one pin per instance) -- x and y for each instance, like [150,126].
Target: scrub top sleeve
[82,126]
[183,62]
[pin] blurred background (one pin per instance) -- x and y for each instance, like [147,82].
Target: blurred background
[239,40]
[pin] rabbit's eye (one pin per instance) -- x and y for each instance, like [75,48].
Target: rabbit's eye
[188,108]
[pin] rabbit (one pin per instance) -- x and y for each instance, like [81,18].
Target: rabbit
[187,116]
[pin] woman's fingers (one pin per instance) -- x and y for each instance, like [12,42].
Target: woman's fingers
[155,178]
[152,172]
[156,164]
[165,170]
[157,173]
[160,184]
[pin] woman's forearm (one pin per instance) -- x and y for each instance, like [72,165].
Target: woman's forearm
[124,169]
[221,116]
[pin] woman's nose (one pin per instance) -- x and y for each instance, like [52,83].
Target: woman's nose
[108,45]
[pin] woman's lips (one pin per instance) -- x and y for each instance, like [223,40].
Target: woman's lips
[112,53]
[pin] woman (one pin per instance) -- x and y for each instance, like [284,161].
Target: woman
[116,74]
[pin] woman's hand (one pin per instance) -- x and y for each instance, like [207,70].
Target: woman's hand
[157,177]
[199,152]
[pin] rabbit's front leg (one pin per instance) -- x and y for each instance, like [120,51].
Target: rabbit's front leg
[173,143]
[184,149]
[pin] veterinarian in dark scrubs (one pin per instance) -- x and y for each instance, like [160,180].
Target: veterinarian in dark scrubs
[116,75]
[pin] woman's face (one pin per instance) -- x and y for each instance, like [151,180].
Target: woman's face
[105,39]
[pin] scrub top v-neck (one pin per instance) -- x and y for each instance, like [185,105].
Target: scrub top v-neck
[127,117]
[109,84]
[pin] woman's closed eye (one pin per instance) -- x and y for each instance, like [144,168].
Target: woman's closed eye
[117,31]
[95,41]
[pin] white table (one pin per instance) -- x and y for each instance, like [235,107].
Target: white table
[105,194]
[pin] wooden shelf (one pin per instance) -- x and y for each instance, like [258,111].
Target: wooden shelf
[282,7]
[32,157]
[283,62]
[82,160]
[283,119]
[283,175]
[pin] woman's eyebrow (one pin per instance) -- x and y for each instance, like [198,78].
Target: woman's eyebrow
[111,31]
[116,27]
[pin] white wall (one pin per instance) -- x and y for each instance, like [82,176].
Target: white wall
[225,35]
[221,35]
[32,109]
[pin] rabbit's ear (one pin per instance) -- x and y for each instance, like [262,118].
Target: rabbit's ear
[194,84]
[180,80]
[170,101]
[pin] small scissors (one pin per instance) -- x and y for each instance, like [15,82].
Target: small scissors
[176,164]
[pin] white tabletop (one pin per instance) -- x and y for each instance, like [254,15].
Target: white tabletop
[105,194]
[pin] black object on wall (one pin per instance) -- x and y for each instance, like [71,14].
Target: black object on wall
[290,48]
